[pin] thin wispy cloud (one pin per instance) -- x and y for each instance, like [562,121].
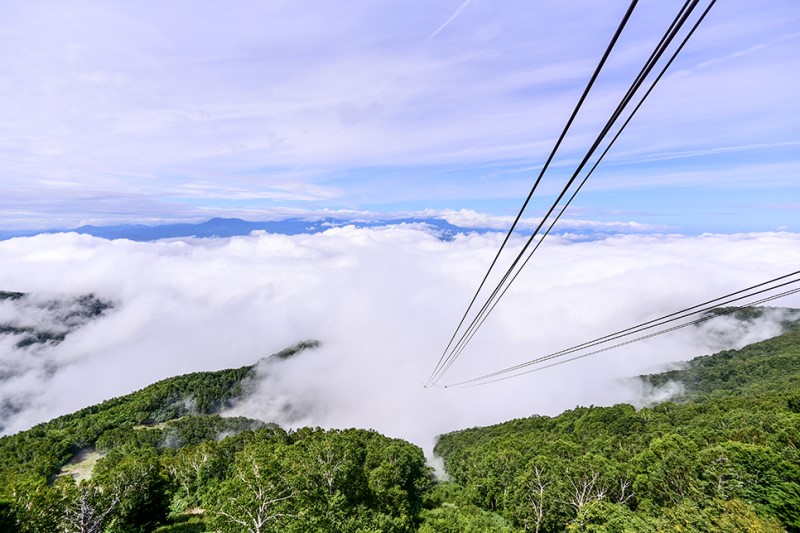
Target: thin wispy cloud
[665,156]
[467,218]
[752,49]
[447,22]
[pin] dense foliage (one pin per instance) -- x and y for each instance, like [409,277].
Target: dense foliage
[263,480]
[722,456]
[771,366]
[46,447]
[166,462]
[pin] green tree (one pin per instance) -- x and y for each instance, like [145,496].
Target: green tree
[534,498]
[34,505]
[329,474]
[258,494]
[667,471]
[608,517]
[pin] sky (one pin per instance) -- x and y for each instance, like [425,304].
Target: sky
[149,111]
[160,112]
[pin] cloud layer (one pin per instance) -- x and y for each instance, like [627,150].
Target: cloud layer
[383,302]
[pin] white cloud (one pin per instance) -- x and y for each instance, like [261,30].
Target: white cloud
[383,302]
[467,218]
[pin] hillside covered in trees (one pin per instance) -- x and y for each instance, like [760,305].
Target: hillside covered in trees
[722,456]
[162,459]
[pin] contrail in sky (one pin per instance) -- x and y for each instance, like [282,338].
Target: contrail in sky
[447,22]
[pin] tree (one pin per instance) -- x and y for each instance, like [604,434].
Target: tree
[397,476]
[466,518]
[34,505]
[667,471]
[257,495]
[8,520]
[588,480]
[534,494]
[731,516]
[329,474]
[135,486]
[185,468]
[89,508]
[609,517]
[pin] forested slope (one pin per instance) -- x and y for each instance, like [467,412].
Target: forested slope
[722,457]
[764,367]
[45,447]
[166,462]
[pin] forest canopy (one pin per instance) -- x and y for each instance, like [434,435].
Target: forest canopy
[721,456]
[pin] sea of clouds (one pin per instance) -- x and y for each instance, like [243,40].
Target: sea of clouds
[383,302]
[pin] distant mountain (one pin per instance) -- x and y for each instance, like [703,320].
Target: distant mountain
[230,227]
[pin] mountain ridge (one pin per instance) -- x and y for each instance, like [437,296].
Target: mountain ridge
[232,227]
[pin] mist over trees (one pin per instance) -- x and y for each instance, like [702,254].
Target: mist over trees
[723,459]
[723,456]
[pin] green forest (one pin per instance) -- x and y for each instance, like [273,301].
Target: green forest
[721,456]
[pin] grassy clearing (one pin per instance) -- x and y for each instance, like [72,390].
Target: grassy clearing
[81,465]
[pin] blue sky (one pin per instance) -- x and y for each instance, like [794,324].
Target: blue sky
[153,111]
